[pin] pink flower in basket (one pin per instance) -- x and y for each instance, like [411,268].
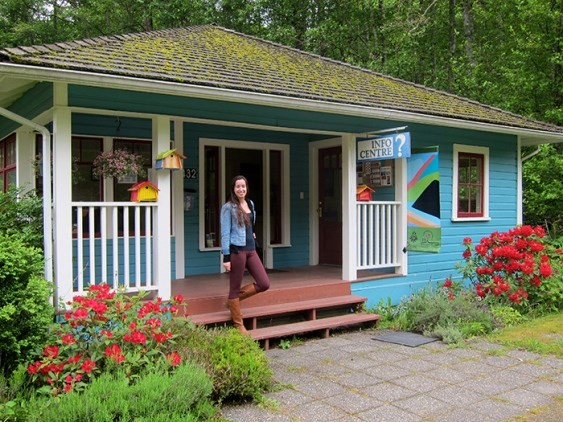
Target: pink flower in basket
[119,163]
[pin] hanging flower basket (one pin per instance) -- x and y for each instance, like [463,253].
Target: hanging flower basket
[119,163]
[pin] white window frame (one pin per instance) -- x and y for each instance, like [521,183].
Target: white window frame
[265,148]
[470,149]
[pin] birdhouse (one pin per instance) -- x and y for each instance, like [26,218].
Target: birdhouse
[170,159]
[144,192]
[363,193]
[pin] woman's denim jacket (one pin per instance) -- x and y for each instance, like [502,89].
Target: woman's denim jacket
[231,232]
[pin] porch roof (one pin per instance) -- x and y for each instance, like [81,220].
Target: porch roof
[217,57]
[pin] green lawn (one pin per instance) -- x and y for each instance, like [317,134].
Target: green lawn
[541,335]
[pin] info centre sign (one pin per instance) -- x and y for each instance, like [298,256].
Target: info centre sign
[397,145]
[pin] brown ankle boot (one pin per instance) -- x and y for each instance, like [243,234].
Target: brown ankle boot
[236,314]
[247,291]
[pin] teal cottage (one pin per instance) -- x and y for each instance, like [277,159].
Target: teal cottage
[309,133]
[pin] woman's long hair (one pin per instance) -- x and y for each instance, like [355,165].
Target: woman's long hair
[242,217]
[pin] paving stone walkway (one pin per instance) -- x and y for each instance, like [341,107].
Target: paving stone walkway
[351,377]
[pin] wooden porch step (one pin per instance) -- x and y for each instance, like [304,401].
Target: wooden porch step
[323,324]
[255,312]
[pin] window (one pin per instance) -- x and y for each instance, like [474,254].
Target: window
[470,183]
[7,162]
[85,186]
[144,148]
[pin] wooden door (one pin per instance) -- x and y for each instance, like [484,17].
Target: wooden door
[329,208]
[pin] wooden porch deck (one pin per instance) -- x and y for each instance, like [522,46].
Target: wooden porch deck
[207,293]
[300,300]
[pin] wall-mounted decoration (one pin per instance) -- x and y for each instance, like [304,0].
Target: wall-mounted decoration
[144,191]
[363,193]
[170,159]
[423,201]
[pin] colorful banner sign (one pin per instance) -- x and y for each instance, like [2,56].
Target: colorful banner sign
[424,233]
[397,145]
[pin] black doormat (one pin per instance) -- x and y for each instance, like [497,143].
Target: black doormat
[404,338]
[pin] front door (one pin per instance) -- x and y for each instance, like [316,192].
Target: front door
[329,208]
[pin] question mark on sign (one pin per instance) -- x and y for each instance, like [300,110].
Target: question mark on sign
[402,139]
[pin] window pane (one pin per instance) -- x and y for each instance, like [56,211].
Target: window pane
[83,187]
[10,153]
[463,199]
[144,149]
[476,200]
[1,182]
[11,178]
[463,169]
[90,149]
[2,164]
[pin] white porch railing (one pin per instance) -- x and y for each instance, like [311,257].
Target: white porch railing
[377,234]
[112,242]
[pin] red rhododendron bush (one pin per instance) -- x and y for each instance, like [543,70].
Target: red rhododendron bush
[510,266]
[105,331]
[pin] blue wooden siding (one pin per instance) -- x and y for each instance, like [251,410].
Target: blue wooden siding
[31,104]
[425,268]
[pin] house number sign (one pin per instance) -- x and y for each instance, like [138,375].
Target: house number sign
[190,173]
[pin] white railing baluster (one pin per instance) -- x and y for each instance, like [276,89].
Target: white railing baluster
[92,252]
[92,244]
[148,245]
[115,247]
[138,247]
[104,239]
[126,267]
[377,234]
[80,249]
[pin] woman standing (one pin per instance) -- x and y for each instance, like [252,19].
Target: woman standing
[238,246]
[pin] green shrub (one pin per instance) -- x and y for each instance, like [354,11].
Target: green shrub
[449,335]
[236,364]
[437,311]
[183,395]
[25,312]
[21,214]
[506,316]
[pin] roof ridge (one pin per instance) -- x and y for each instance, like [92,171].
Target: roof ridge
[27,50]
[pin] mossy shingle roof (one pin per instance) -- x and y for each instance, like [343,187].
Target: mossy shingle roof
[217,57]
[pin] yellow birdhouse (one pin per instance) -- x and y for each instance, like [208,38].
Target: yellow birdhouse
[170,159]
[363,193]
[144,192]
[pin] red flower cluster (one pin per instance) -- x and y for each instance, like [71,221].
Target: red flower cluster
[104,330]
[507,264]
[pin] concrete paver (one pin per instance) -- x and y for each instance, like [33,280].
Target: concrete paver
[351,377]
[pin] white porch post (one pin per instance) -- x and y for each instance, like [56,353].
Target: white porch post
[25,149]
[161,231]
[401,196]
[178,201]
[62,193]
[349,223]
